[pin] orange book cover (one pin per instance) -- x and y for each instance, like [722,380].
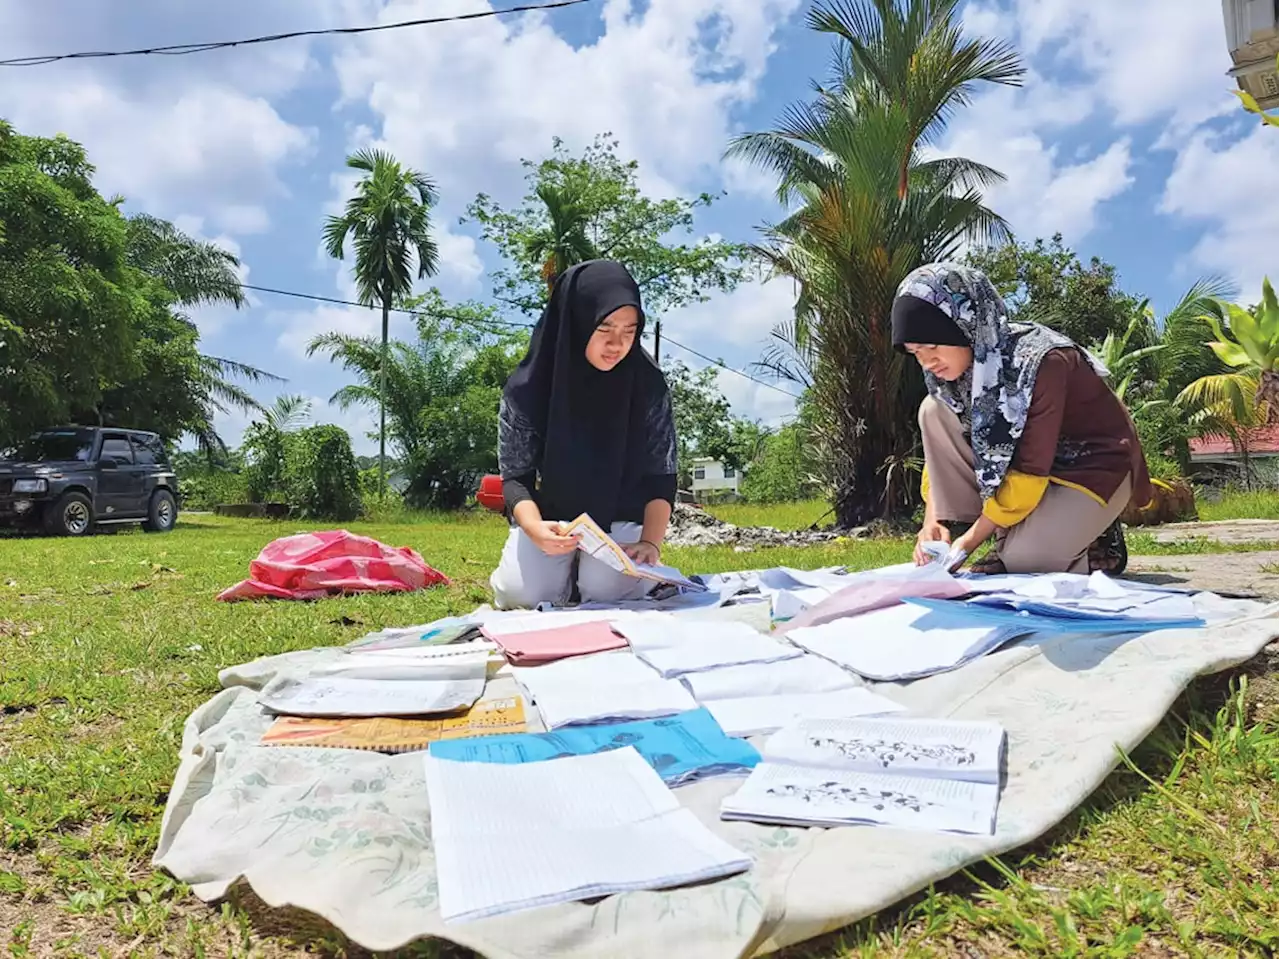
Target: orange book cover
[489,717]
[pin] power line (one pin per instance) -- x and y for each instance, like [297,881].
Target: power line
[182,49]
[725,366]
[508,323]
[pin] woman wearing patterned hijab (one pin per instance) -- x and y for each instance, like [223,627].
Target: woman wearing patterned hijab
[1023,439]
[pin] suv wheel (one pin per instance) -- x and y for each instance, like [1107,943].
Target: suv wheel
[162,513]
[71,515]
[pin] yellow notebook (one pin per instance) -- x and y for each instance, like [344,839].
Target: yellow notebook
[488,717]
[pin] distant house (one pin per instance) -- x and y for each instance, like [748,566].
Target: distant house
[1253,38]
[1262,442]
[712,478]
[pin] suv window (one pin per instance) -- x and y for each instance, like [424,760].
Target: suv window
[144,453]
[117,448]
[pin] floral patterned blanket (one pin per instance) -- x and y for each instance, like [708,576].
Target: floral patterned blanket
[346,834]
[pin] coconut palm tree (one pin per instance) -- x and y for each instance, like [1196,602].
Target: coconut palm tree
[389,222]
[868,206]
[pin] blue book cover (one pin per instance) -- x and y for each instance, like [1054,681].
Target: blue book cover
[683,747]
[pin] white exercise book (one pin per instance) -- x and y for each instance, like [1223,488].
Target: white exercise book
[801,796]
[911,773]
[511,837]
[674,647]
[595,542]
[903,641]
[344,696]
[934,748]
[599,688]
[799,674]
[759,715]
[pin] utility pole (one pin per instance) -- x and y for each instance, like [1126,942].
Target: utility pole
[657,342]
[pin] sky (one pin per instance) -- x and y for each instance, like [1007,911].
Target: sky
[1124,138]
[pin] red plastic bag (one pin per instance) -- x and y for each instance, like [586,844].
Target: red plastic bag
[312,565]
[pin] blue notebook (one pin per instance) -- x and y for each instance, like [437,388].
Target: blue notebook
[682,748]
[1041,622]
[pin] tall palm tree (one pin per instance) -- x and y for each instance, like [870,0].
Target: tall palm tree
[869,207]
[563,242]
[389,222]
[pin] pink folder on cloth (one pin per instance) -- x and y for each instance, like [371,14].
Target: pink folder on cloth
[876,594]
[548,645]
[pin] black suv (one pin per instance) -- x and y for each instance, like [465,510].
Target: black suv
[74,478]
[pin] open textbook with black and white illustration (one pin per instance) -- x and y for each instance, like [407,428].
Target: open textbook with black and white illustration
[928,774]
[594,541]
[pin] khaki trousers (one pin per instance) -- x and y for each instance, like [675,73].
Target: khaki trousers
[1054,538]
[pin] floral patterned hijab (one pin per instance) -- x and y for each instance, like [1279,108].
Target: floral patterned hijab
[992,399]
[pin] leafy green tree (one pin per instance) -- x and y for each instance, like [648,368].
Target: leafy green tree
[588,206]
[705,424]
[389,222]
[1046,283]
[866,209]
[442,394]
[785,469]
[92,327]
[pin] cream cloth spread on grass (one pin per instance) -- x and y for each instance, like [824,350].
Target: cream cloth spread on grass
[346,834]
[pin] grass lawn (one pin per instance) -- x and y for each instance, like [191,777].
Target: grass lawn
[1258,504]
[107,643]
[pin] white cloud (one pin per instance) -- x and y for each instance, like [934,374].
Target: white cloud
[1146,59]
[757,401]
[467,101]
[1230,188]
[740,321]
[1044,192]
[458,257]
[192,135]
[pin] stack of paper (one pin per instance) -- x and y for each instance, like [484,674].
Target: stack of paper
[423,662]
[342,696]
[388,734]
[913,774]
[529,648]
[674,647]
[1037,616]
[682,748]
[905,641]
[877,593]
[600,688]
[513,837]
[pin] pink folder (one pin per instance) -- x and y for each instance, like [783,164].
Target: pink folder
[548,645]
[875,594]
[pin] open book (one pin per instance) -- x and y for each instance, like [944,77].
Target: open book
[594,541]
[911,773]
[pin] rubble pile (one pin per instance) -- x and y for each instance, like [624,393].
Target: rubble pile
[692,526]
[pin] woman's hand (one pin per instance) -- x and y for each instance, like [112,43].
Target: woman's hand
[643,552]
[549,537]
[931,532]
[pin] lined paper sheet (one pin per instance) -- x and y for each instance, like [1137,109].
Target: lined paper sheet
[601,687]
[950,749]
[797,795]
[759,715]
[508,838]
[800,674]
[342,696]
[674,647]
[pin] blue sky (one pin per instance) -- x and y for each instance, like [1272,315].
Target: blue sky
[1125,138]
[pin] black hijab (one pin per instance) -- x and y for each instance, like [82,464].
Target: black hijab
[591,423]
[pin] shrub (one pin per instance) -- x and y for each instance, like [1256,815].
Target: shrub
[205,489]
[265,454]
[320,475]
[783,472]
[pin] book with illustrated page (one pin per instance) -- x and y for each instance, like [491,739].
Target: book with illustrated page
[595,542]
[929,774]
[489,717]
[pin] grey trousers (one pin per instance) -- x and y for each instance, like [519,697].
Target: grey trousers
[1054,538]
[526,576]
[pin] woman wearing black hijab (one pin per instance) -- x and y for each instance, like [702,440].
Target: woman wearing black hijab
[585,426]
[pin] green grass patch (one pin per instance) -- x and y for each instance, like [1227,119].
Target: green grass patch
[108,643]
[1255,504]
[786,516]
